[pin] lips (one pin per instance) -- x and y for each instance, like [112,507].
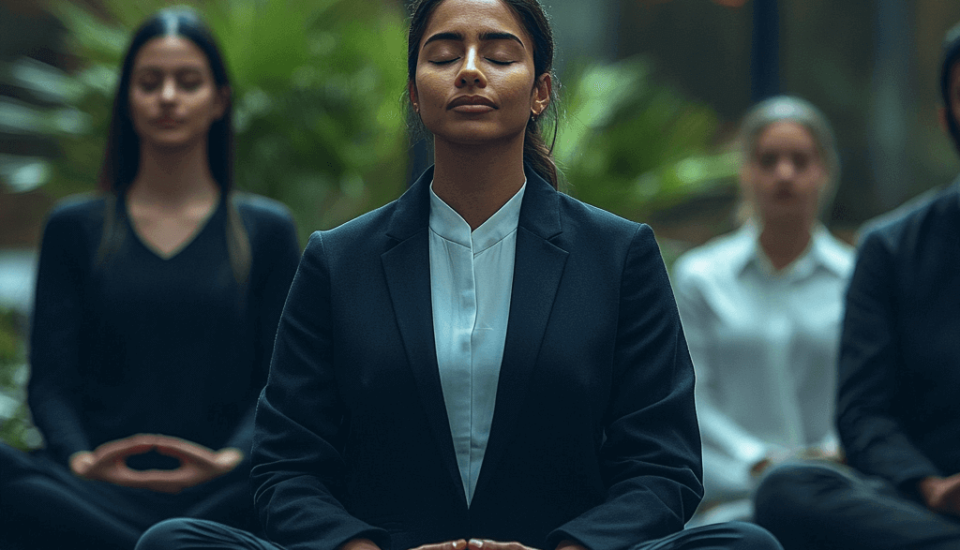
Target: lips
[471,104]
[166,122]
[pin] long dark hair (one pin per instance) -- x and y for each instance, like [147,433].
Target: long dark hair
[122,156]
[536,153]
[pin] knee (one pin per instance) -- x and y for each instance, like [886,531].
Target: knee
[794,486]
[167,534]
[790,498]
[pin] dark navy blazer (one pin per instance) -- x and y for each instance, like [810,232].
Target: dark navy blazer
[899,393]
[594,435]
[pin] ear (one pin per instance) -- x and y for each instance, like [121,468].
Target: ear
[414,98]
[540,99]
[221,102]
[942,119]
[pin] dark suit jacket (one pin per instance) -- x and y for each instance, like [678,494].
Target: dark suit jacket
[594,435]
[899,392]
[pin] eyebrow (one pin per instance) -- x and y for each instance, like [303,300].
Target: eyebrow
[159,69]
[484,37]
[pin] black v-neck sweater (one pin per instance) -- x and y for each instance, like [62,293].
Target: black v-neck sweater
[139,343]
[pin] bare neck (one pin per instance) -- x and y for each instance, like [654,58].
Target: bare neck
[783,243]
[477,181]
[173,178]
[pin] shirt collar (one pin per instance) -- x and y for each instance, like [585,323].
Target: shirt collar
[823,251]
[446,222]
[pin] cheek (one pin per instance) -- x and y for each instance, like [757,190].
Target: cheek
[817,178]
[519,88]
[755,180]
[427,89]
[137,106]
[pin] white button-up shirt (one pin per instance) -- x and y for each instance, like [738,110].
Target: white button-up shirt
[764,346]
[471,278]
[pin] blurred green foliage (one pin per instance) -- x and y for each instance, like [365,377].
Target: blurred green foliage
[318,88]
[634,146]
[316,92]
[16,429]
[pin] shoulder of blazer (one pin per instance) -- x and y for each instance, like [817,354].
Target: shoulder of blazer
[360,233]
[586,228]
[924,222]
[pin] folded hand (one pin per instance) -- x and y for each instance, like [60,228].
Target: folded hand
[198,464]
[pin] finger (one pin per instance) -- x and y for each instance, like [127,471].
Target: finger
[122,448]
[166,481]
[187,452]
[179,443]
[227,459]
[449,545]
[487,544]
[82,462]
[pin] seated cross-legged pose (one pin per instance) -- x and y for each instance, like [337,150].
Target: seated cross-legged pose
[484,362]
[156,308]
[898,411]
[761,311]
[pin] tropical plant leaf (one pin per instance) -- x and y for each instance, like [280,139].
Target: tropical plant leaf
[632,145]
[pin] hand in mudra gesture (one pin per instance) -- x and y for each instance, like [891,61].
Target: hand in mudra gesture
[476,544]
[198,464]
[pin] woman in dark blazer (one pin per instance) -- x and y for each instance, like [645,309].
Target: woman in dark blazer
[481,319]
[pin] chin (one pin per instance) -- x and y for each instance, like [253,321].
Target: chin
[171,143]
[477,136]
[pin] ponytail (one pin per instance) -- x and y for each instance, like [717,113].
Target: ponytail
[537,154]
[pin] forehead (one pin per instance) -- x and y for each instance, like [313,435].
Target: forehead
[166,52]
[473,17]
[785,134]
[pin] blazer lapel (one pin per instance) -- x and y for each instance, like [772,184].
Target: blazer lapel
[537,271]
[407,270]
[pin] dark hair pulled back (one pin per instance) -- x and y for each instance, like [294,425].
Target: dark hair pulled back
[536,152]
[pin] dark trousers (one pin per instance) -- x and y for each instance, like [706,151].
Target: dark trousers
[188,534]
[814,506]
[43,505]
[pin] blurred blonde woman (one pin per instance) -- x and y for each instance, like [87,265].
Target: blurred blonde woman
[761,308]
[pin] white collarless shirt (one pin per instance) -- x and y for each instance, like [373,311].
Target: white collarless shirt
[764,347]
[471,278]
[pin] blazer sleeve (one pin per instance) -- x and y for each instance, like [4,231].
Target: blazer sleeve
[869,360]
[278,253]
[55,380]
[650,457]
[297,465]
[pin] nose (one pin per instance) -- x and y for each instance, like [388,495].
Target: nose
[470,73]
[785,169]
[168,91]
